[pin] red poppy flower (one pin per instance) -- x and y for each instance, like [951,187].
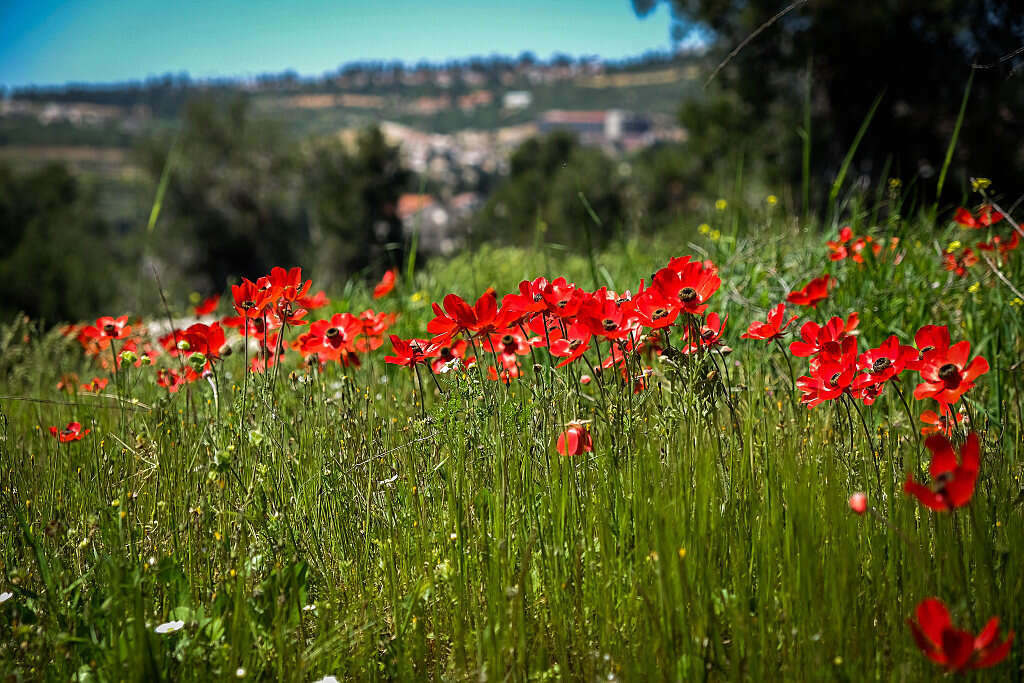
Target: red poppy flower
[287,284]
[457,315]
[107,329]
[331,339]
[986,217]
[606,317]
[386,284]
[947,374]
[205,339]
[311,303]
[815,338]
[959,263]
[564,299]
[67,382]
[96,385]
[951,648]
[170,380]
[250,298]
[208,305]
[573,345]
[941,422]
[450,352]
[511,369]
[710,335]
[885,362]
[576,440]
[654,311]
[952,483]
[72,432]
[1001,245]
[529,301]
[930,338]
[410,352]
[689,288]
[771,329]
[837,249]
[813,293]
[828,380]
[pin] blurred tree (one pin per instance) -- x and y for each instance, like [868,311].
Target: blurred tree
[60,260]
[353,198]
[920,53]
[231,208]
[546,176]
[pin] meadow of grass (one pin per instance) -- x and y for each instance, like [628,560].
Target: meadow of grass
[365,523]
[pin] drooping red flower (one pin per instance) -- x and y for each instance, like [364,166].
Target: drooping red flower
[575,440]
[813,293]
[772,328]
[72,432]
[386,284]
[207,305]
[947,374]
[986,216]
[952,482]
[951,648]
[859,503]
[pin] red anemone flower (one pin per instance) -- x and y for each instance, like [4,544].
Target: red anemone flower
[813,293]
[449,353]
[97,385]
[947,374]
[386,284]
[311,303]
[951,648]
[250,298]
[859,503]
[169,380]
[1001,245]
[885,362]
[207,306]
[953,483]
[573,345]
[986,217]
[959,263]
[710,335]
[72,432]
[941,422]
[688,288]
[108,328]
[654,311]
[828,380]
[773,328]
[815,338]
[838,250]
[287,284]
[576,440]
[410,352]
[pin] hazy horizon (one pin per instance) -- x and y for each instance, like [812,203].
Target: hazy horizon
[46,44]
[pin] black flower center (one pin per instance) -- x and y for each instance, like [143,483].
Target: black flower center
[687,294]
[248,303]
[658,314]
[881,365]
[950,375]
[608,324]
[332,332]
[110,329]
[834,380]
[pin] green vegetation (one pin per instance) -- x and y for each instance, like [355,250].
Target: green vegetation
[306,522]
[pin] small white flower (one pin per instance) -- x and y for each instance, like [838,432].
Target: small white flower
[5,596]
[327,679]
[308,608]
[240,672]
[170,627]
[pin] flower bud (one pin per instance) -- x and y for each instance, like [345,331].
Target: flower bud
[128,357]
[183,345]
[197,360]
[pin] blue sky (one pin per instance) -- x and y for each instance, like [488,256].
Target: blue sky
[52,42]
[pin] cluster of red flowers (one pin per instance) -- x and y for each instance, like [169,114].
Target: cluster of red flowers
[962,259]
[857,247]
[569,321]
[98,340]
[837,369]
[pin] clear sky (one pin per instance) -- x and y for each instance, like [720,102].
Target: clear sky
[54,42]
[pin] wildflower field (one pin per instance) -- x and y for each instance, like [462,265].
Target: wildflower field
[769,447]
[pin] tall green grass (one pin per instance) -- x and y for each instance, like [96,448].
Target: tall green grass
[333,530]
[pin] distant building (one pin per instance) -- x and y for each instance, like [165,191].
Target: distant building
[517,99]
[614,126]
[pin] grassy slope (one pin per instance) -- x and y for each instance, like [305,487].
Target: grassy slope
[463,546]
